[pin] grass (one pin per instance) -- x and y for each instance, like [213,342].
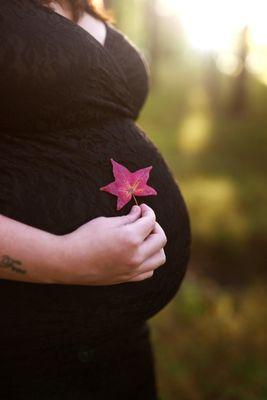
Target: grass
[220,164]
[210,343]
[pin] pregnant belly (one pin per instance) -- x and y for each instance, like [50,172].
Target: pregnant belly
[52,183]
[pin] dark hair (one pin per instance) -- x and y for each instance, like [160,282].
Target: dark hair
[79,6]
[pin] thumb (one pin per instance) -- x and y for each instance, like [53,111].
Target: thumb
[133,215]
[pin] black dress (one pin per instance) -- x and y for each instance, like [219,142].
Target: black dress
[69,105]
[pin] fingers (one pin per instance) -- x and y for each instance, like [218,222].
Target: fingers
[146,270]
[153,262]
[133,215]
[141,277]
[140,230]
[153,243]
[143,226]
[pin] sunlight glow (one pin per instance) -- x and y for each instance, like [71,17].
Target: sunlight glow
[218,197]
[229,64]
[256,63]
[212,25]
[194,133]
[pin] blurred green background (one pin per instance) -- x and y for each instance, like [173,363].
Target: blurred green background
[207,114]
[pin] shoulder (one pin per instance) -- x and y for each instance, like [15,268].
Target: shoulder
[131,61]
[119,37]
[126,48]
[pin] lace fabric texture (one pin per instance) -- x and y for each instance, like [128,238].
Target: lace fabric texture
[68,105]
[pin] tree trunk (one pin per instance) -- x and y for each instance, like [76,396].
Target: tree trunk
[239,102]
[153,35]
[212,83]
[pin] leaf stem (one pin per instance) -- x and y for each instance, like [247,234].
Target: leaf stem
[135,200]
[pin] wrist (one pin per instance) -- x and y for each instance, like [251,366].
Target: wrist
[65,259]
[58,259]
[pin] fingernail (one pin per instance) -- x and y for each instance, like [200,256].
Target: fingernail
[134,209]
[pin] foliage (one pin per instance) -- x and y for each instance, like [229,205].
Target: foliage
[216,154]
[220,164]
[210,343]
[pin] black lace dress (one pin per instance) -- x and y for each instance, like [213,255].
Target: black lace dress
[68,105]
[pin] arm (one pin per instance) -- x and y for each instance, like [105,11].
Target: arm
[103,251]
[28,254]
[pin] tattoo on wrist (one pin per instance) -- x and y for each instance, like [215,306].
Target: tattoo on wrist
[8,262]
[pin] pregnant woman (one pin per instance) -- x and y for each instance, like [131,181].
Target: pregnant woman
[79,279]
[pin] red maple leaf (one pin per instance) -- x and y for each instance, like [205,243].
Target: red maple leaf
[128,184]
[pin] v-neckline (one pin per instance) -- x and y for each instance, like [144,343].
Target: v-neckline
[106,48]
[77,26]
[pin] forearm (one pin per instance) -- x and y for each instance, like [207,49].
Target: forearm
[29,254]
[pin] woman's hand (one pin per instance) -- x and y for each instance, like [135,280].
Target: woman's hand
[112,250]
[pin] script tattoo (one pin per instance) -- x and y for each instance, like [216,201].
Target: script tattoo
[8,262]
